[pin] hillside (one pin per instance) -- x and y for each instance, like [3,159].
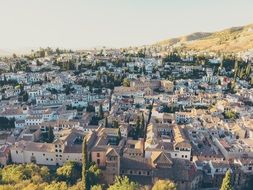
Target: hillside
[194,36]
[236,39]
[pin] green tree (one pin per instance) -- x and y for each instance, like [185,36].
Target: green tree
[226,183]
[123,183]
[143,70]
[25,97]
[164,185]
[100,112]
[45,174]
[50,135]
[242,73]
[90,108]
[69,172]
[137,128]
[97,187]
[77,186]
[84,165]
[236,68]
[229,114]
[19,173]
[126,82]
[6,123]
[94,174]
[115,124]
[142,124]
[119,136]
[10,68]
[248,70]
[57,186]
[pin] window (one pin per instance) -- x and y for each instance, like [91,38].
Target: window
[43,154]
[51,159]
[98,161]
[60,150]
[47,159]
[98,154]
[16,152]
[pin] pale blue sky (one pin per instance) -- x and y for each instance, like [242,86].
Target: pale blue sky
[113,23]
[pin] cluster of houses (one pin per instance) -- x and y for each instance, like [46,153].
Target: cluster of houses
[191,132]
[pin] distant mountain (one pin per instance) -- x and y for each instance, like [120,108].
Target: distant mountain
[194,36]
[236,39]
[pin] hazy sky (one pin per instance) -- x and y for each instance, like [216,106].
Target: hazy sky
[113,23]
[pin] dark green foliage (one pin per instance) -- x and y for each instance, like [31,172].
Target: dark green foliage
[142,125]
[90,108]
[164,185]
[32,176]
[93,175]
[115,124]
[172,57]
[100,112]
[18,173]
[119,136]
[106,122]
[6,123]
[69,172]
[50,135]
[94,120]
[229,114]
[25,97]
[226,183]
[123,183]
[126,82]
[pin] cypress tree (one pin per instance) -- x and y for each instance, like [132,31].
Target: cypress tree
[50,135]
[138,128]
[106,122]
[100,112]
[84,165]
[142,124]
[236,69]
[119,136]
[226,183]
[248,70]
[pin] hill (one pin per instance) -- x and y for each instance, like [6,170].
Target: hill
[236,39]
